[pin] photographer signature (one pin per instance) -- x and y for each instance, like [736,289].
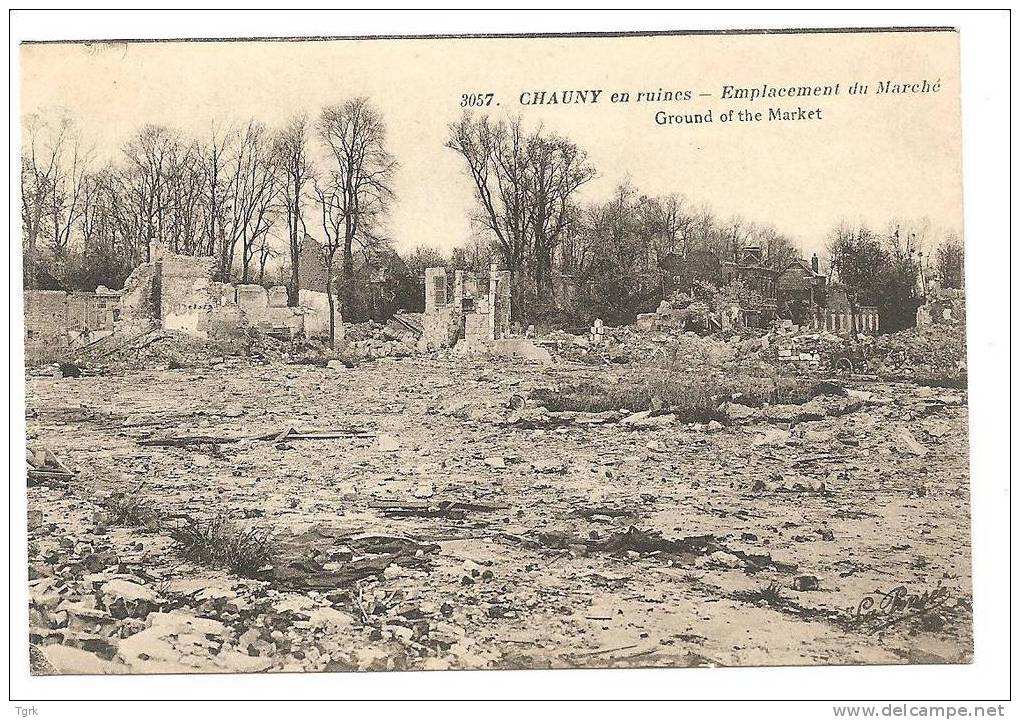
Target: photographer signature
[884,609]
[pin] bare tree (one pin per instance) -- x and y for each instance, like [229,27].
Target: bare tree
[361,172]
[497,161]
[422,258]
[214,157]
[186,200]
[735,235]
[265,252]
[777,249]
[54,168]
[475,254]
[670,228]
[151,157]
[556,169]
[40,163]
[330,195]
[668,223]
[294,168]
[251,188]
[610,257]
[65,192]
[949,261]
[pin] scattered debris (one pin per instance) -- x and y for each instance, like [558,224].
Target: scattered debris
[803,583]
[45,467]
[290,433]
[534,515]
[451,509]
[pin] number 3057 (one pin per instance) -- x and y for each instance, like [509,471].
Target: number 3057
[476,99]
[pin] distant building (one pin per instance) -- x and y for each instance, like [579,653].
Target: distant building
[759,308]
[800,290]
[805,297]
[682,272]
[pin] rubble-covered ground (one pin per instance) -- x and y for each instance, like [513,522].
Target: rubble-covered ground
[422,513]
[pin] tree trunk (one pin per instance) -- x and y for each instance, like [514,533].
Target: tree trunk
[332,310]
[543,279]
[347,276]
[245,261]
[294,252]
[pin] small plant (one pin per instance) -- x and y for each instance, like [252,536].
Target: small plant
[131,510]
[220,543]
[771,595]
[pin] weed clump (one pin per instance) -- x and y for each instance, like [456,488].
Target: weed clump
[220,543]
[131,510]
[692,398]
[771,595]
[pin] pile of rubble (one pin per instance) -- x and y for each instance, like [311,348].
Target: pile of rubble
[398,337]
[541,543]
[679,314]
[155,348]
[102,600]
[160,349]
[934,354]
[632,344]
[804,351]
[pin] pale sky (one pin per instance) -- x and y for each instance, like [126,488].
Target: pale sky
[870,158]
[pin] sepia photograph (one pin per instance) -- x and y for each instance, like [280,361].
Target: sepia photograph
[465,352]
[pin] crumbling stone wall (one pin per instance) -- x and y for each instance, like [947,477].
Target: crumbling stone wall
[316,322]
[254,302]
[139,299]
[177,292]
[56,321]
[499,296]
[312,266]
[436,289]
[186,294]
[441,320]
[440,328]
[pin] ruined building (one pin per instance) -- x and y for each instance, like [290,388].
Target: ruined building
[463,307]
[799,295]
[942,306]
[56,321]
[175,292]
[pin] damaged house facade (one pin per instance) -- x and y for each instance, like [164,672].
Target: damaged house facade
[759,309]
[798,294]
[461,306]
